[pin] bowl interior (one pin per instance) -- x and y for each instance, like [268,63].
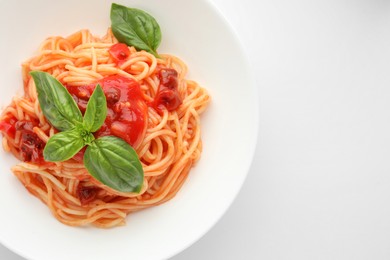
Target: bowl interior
[192,30]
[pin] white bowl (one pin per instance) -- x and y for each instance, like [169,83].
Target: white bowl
[193,30]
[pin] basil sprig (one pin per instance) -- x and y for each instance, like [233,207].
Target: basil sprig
[109,159]
[136,28]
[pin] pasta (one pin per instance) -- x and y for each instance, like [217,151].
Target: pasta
[168,147]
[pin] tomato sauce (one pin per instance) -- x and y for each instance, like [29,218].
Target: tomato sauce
[127,111]
[7,127]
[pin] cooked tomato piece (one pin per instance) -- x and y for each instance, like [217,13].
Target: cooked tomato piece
[119,52]
[167,96]
[127,111]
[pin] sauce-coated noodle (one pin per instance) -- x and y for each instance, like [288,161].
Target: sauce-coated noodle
[168,148]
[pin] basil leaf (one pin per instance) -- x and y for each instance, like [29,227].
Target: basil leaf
[56,103]
[135,28]
[96,111]
[63,146]
[114,163]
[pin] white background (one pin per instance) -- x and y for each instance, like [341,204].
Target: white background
[319,187]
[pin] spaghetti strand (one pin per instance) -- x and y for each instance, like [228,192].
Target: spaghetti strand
[169,149]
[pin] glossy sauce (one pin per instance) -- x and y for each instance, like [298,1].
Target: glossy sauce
[7,127]
[126,108]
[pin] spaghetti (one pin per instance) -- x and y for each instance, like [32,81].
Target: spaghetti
[168,147]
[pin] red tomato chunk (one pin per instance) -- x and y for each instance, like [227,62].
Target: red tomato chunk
[126,108]
[30,145]
[86,194]
[167,96]
[119,52]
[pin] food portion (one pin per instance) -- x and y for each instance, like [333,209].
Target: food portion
[107,125]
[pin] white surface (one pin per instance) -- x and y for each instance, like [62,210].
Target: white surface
[159,232]
[320,185]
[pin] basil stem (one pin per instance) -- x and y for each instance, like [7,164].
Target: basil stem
[96,111]
[135,28]
[57,104]
[109,159]
[114,163]
[63,146]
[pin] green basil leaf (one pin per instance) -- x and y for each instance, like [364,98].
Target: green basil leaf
[96,111]
[56,103]
[135,28]
[114,163]
[63,146]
